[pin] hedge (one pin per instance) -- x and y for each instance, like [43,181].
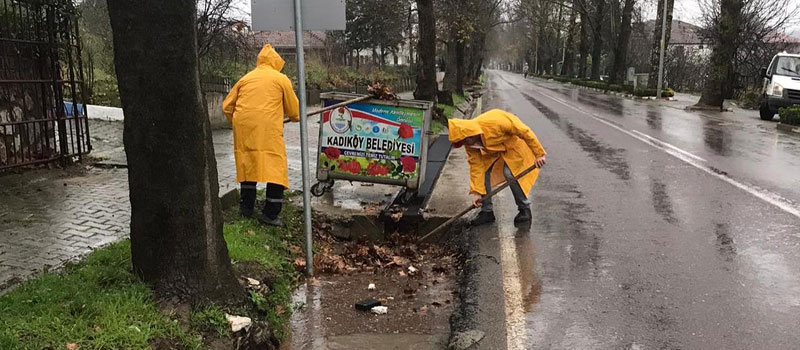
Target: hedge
[790,115]
[600,85]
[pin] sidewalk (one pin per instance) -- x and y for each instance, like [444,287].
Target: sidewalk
[49,217]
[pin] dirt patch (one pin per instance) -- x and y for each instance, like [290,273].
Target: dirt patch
[414,281]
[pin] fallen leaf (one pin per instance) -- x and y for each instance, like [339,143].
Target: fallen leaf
[300,263]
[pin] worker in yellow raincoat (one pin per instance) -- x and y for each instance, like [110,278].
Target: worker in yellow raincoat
[256,107]
[499,146]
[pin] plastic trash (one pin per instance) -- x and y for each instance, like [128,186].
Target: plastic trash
[238,323]
[380,310]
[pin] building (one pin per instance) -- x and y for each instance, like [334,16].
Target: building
[285,44]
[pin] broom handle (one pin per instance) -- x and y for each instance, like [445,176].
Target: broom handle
[471,207]
[341,104]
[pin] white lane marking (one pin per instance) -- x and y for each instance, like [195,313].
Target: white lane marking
[512,289]
[663,144]
[695,161]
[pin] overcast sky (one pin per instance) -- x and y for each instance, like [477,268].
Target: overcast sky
[685,10]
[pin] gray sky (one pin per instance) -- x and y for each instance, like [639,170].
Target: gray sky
[689,11]
[685,10]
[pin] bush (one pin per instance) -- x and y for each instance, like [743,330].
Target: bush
[790,115]
[644,92]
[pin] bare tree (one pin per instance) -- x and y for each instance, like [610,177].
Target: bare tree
[655,51]
[426,46]
[742,32]
[176,222]
[622,43]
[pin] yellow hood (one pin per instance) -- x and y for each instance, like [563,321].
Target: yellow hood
[268,57]
[461,129]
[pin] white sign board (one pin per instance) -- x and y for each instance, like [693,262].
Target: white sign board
[278,15]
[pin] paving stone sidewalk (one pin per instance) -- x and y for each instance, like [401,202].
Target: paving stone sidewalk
[52,216]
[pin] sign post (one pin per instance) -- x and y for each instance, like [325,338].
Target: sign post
[301,86]
[324,15]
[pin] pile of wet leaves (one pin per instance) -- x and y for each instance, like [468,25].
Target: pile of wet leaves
[399,251]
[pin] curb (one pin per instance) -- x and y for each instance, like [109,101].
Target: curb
[789,128]
[228,198]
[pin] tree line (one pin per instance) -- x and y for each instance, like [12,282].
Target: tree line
[600,39]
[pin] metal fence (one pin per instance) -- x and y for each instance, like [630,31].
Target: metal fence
[42,91]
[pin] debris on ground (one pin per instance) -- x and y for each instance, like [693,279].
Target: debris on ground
[371,286]
[380,310]
[238,323]
[398,251]
[253,282]
[367,304]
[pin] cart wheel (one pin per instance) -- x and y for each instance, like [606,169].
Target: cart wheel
[318,190]
[328,186]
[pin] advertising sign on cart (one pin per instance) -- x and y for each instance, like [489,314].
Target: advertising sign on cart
[372,142]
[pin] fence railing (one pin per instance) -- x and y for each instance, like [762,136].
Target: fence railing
[42,91]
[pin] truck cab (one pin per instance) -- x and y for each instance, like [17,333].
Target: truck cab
[781,84]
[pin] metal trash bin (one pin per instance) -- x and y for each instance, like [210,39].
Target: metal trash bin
[375,141]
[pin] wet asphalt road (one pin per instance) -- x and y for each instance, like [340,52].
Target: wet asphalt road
[653,228]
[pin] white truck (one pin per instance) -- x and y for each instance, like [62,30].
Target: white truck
[781,84]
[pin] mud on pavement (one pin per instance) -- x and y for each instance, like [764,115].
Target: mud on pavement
[416,282]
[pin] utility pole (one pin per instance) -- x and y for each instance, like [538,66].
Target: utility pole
[661,54]
[301,86]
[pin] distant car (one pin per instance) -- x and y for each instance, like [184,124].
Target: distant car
[781,84]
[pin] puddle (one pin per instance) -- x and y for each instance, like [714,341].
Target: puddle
[418,318]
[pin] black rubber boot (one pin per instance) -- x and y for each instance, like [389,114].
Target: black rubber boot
[483,218]
[247,200]
[276,222]
[523,217]
[246,213]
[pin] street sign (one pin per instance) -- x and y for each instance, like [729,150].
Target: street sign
[278,15]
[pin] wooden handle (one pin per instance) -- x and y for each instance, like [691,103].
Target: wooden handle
[341,104]
[471,207]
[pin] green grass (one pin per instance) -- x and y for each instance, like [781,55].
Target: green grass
[449,112]
[270,247]
[97,304]
[100,304]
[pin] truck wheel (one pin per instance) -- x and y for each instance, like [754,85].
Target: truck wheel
[766,114]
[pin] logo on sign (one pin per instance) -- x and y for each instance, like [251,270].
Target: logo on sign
[340,120]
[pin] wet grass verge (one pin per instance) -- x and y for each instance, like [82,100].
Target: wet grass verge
[99,304]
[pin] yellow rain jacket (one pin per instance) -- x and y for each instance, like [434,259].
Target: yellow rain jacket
[506,140]
[256,107]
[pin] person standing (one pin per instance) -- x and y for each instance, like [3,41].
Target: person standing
[499,146]
[256,107]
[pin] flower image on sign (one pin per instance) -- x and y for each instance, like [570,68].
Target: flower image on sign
[372,140]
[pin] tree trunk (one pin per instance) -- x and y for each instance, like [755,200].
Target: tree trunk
[652,82]
[459,89]
[569,70]
[597,39]
[556,57]
[449,81]
[426,46]
[584,45]
[176,221]
[623,41]
[722,58]
[410,38]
